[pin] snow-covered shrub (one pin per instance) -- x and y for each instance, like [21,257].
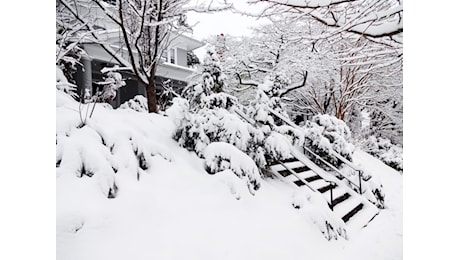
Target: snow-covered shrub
[218,100]
[221,157]
[210,79]
[111,145]
[382,148]
[373,191]
[213,125]
[68,56]
[138,103]
[62,83]
[112,82]
[325,134]
[179,112]
[268,96]
[278,146]
[314,207]
[210,118]
[393,157]
[338,134]
[295,136]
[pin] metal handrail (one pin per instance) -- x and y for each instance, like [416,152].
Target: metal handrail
[340,157]
[252,122]
[295,174]
[333,168]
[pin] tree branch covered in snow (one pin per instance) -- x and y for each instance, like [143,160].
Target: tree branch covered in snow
[374,19]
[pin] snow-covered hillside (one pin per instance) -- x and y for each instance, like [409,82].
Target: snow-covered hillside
[141,196]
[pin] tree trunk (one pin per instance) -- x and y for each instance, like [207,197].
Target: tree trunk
[152,97]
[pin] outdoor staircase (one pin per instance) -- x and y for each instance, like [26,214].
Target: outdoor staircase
[345,203]
[300,172]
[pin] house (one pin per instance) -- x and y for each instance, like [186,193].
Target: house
[176,66]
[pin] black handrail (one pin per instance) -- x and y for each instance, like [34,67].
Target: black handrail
[252,122]
[334,168]
[295,174]
[337,155]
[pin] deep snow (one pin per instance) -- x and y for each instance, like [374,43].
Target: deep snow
[176,210]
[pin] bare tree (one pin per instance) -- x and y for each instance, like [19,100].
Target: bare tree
[147,28]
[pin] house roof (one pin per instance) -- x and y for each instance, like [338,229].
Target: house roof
[187,41]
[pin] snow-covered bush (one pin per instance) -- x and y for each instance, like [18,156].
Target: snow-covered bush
[178,112]
[210,79]
[217,100]
[62,83]
[221,157]
[325,134]
[382,148]
[210,118]
[338,134]
[112,82]
[268,97]
[295,136]
[213,125]
[107,147]
[278,146]
[138,103]
[314,207]
[68,56]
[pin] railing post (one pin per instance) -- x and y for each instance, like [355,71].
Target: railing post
[360,190]
[332,197]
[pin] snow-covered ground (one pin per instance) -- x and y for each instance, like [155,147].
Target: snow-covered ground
[174,209]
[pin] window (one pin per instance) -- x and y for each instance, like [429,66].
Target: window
[172,56]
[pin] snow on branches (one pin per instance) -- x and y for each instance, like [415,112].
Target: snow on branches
[138,103]
[221,157]
[325,133]
[382,148]
[112,82]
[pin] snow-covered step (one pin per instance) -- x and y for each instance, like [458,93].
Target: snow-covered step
[339,199]
[344,208]
[353,212]
[290,165]
[363,217]
[292,159]
[303,175]
[327,188]
[336,193]
[316,184]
